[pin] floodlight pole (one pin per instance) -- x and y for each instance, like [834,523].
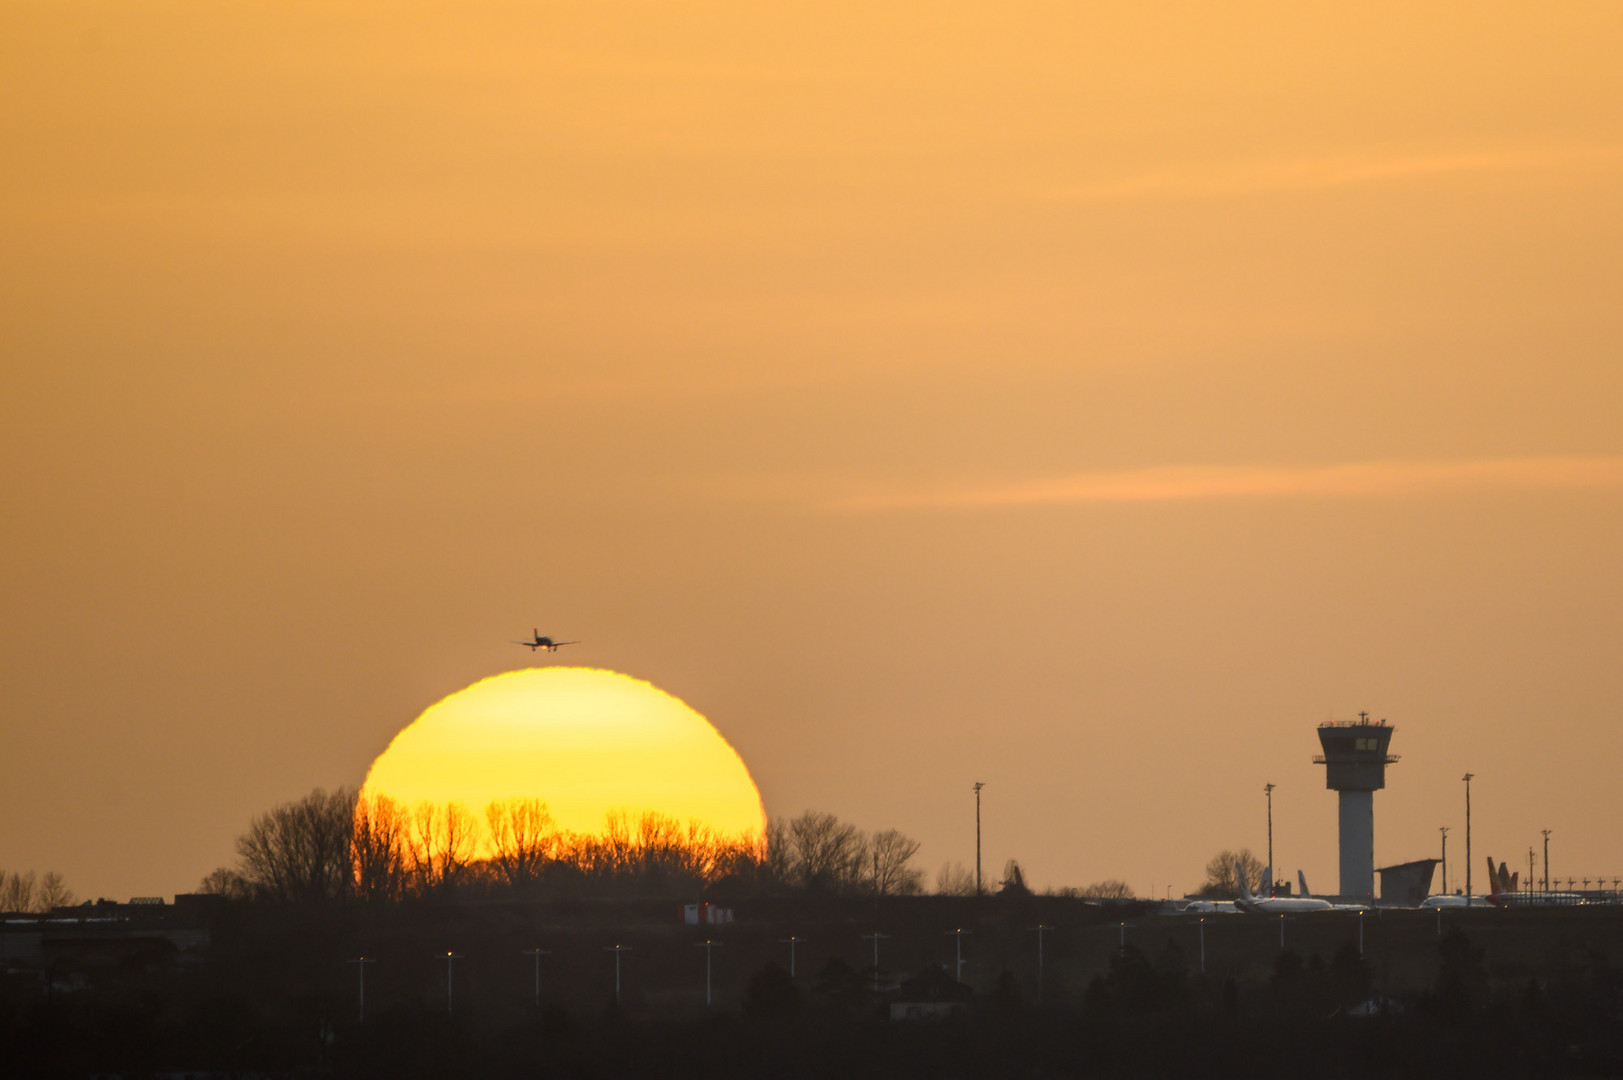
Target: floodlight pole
[1268,790]
[708,946]
[1444,830]
[978,786]
[360,963]
[616,950]
[1467,778]
[1203,944]
[958,952]
[450,959]
[875,937]
[1546,833]
[1040,928]
[791,941]
[538,953]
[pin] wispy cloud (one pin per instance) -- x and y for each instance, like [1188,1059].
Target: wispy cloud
[1215,179]
[1181,483]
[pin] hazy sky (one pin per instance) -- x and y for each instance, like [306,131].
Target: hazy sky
[1088,399]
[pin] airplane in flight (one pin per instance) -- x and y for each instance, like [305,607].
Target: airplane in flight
[545,643]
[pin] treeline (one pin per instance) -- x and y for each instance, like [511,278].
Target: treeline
[336,845]
[22,891]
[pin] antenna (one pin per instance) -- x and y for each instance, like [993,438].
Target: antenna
[978,786]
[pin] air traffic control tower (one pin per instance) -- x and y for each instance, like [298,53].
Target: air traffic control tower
[1355,761]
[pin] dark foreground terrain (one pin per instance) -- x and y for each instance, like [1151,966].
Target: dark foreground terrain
[252,989]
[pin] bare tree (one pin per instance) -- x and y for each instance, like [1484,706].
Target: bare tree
[1109,889]
[224,881]
[17,891]
[377,848]
[827,852]
[1222,878]
[892,852]
[299,851]
[523,836]
[439,842]
[53,892]
[955,879]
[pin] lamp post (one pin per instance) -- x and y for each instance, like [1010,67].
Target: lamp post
[1546,833]
[1268,790]
[538,953]
[1444,830]
[1203,944]
[450,959]
[791,941]
[876,937]
[1040,929]
[616,950]
[709,947]
[957,951]
[1467,779]
[978,786]
[360,963]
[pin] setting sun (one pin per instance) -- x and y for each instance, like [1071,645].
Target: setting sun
[588,742]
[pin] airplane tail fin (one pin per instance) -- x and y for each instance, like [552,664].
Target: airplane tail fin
[1245,886]
[1265,887]
[1496,877]
[1301,879]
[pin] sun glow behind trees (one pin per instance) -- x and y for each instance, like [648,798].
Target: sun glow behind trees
[591,743]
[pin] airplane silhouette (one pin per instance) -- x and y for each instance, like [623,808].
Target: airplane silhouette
[545,643]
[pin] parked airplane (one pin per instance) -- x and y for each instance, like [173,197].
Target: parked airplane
[1301,879]
[1274,905]
[1503,892]
[545,643]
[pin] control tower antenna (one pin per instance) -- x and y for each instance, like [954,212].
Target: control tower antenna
[1355,759]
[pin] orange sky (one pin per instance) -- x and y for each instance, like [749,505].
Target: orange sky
[1088,399]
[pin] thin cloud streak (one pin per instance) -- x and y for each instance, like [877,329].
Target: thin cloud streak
[1296,174]
[1185,483]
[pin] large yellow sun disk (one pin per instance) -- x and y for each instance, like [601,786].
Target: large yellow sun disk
[585,740]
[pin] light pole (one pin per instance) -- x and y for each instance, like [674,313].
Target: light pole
[1268,790]
[708,946]
[1041,929]
[1444,830]
[360,963]
[978,786]
[1467,779]
[616,950]
[1203,944]
[1546,859]
[1530,882]
[791,941]
[958,953]
[450,959]
[538,953]
[876,937]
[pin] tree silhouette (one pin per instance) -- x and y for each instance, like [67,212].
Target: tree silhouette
[300,851]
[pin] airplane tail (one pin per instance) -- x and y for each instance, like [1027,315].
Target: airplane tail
[1301,879]
[1500,879]
[1245,886]
[1265,887]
